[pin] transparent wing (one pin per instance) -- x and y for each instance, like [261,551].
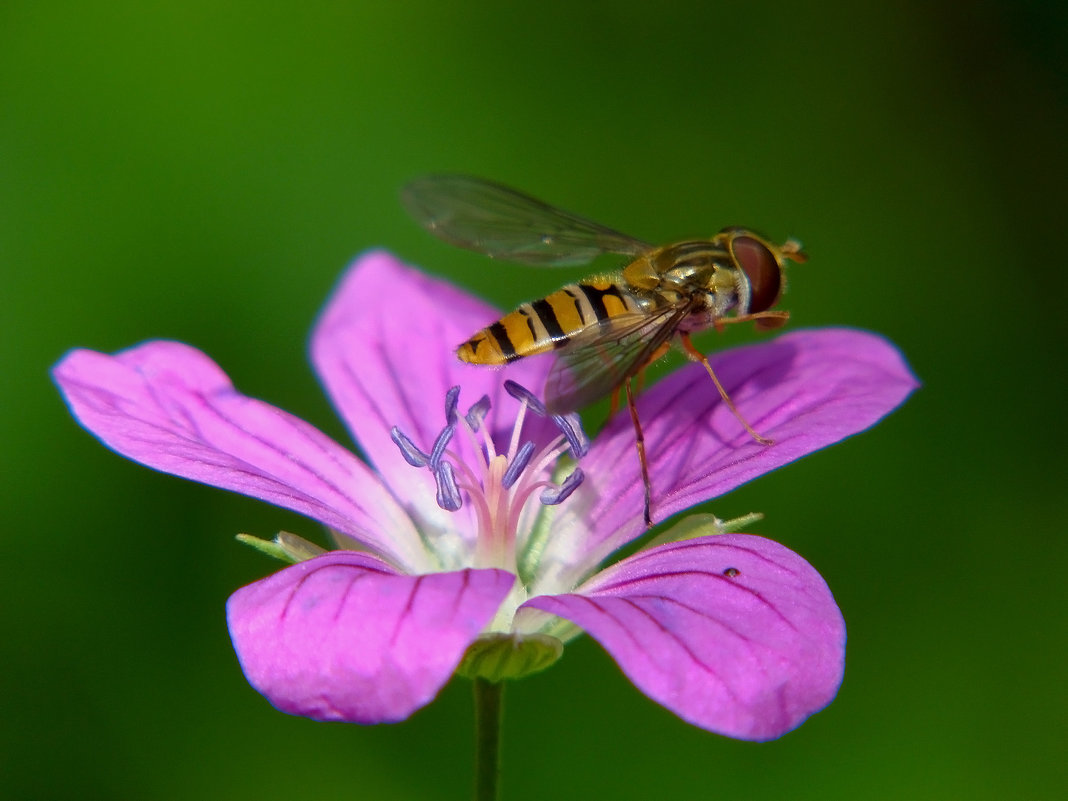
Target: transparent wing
[601,358]
[502,223]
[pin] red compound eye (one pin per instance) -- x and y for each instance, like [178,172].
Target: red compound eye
[761,268]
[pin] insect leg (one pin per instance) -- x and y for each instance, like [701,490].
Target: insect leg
[640,375]
[639,441]
[656,354]
[697,356]
[765,320]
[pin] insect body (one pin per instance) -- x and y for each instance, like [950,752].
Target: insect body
[604,330]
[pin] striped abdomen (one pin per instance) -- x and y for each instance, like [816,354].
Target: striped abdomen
[549,323]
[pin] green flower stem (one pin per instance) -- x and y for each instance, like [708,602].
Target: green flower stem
[488,710]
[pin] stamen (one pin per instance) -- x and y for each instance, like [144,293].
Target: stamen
[448,495]
[477,413]
[555,495]
[518,465]
[571,426]
[524,395]
[451,398]
[411,453]
[440,444]
[498,484]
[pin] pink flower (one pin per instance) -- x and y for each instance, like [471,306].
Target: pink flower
[462,533]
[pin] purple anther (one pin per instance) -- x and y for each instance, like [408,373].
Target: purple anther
[554,495]
[477,413]
[448,494]
[524,395]
[518,465]
[412,455]
[571,426]
[451,398]
[440,444]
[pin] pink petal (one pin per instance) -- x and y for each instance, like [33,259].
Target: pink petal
[384,348]
[343,637]
[805,390]
[168,406]
[749,654]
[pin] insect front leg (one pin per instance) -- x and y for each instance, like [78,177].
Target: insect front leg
[765,320]
[696,355]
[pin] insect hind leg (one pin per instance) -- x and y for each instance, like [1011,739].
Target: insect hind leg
[639,441]
[697,356]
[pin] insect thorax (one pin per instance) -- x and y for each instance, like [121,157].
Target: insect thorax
[698,272]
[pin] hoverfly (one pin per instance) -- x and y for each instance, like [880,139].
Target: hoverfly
[606,329]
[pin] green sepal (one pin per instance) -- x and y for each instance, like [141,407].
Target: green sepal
[702,526]
[285,547]
[496,657]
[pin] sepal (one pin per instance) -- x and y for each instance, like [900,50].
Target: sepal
[497,657]
[285,547]
[702,526]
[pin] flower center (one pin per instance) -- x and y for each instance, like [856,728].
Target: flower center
[498,485]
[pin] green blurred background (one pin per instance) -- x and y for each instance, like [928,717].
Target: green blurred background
[204,171]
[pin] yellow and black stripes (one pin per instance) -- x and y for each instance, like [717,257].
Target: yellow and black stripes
[549,323]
